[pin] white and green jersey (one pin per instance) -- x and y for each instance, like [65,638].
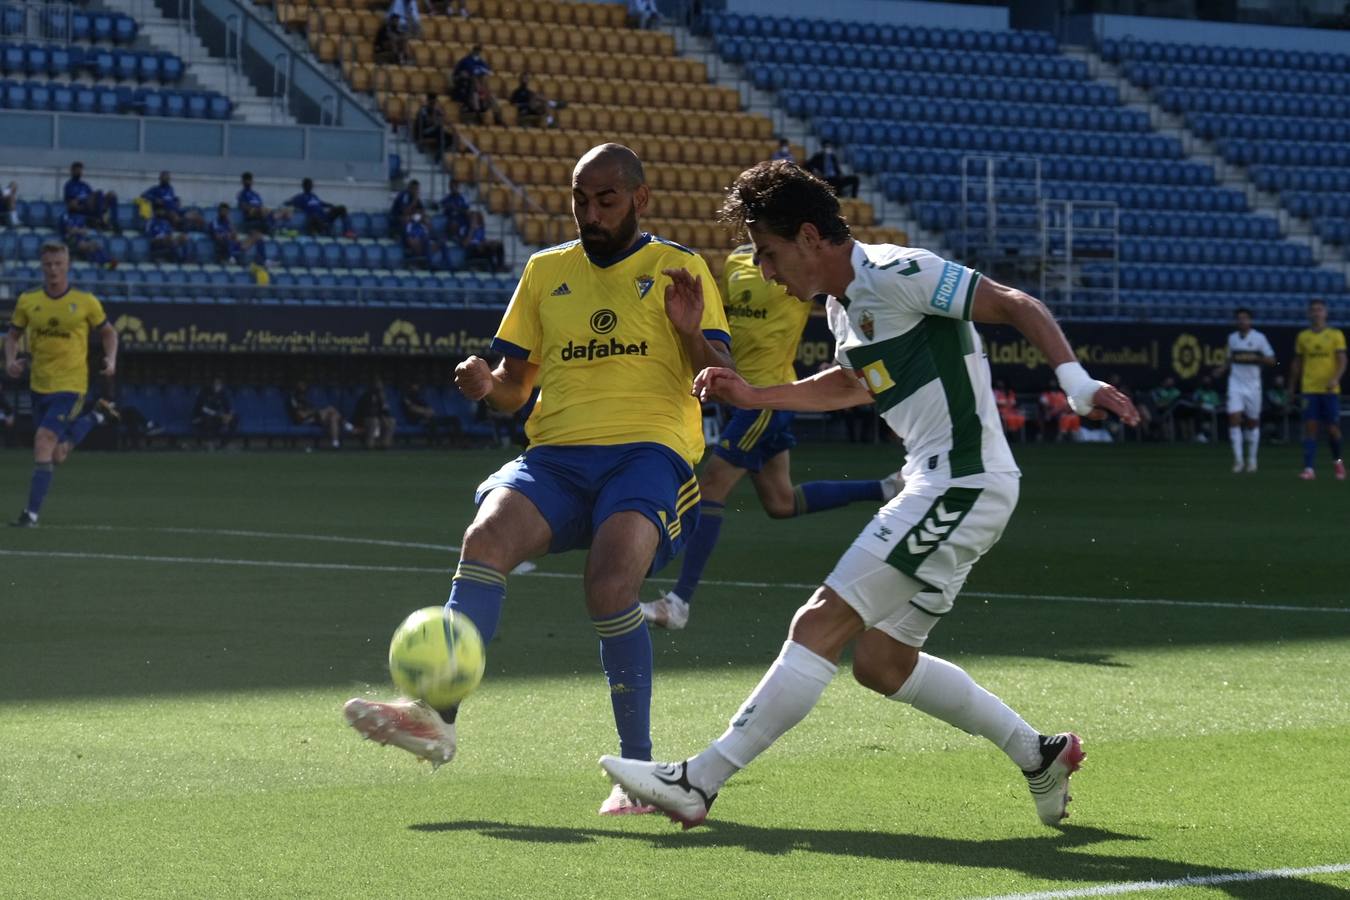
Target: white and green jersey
[905,328]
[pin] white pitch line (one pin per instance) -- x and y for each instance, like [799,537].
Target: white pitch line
[1136,887]
[288,535]
[358,567]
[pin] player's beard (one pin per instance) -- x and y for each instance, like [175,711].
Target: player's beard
[601,243]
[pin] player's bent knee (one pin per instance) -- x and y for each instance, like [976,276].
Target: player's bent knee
[883,664]
[777,508]
[825,624]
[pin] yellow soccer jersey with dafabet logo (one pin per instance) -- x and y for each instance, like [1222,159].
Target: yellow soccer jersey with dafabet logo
[766,321]
[1318,350]
[612,369]
[58,337]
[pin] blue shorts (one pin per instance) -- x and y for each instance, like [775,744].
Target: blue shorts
[57,412]
[754,436]
[578,488]
[1324,408]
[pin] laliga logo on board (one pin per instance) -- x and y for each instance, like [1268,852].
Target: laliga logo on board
[401,333]
[130,329]
[1186,355]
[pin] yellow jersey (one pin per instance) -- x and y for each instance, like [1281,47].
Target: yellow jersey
[58,337]
[1318,351]
[612,369]
[766,321]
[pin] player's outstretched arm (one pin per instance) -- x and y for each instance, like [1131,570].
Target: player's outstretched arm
[108,336]
[13,367]
[505,388]
[835,388]
[998,304]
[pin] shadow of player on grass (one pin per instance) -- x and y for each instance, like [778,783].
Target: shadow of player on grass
[1052,858]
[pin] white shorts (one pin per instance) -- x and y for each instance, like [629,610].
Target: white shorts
[1246,401]
[904,571]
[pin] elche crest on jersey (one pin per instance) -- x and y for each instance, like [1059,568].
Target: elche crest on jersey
[644,284]
[868,324]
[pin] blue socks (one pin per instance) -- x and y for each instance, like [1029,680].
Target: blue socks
[477,593]
[37,489]
[626,654]
[1309,452]
[699,548]
[1335,447]
[815,496]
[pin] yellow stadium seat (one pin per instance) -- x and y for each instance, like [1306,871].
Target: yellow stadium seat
[568,14]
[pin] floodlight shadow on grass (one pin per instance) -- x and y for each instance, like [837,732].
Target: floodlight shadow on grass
[1056,856]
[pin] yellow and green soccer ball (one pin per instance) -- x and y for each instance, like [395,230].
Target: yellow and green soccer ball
[437,656]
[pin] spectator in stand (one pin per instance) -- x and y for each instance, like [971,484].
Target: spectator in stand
[1056,417]
[420,249]
[257,217]
[1278,408]
[8,420]
[391,44]
[213,416]
[784,151]
[1167,409]
[319,216]
[419,412]
[480,102]
[430,131]
[75,233]
[163,195]
[407,203]
[99,206]
[476,245]
[408,16]
[456,210]
[1014,420]
[1205,401]
[303,412]
[166,245]
[229,246]
[643,14]
[448,8]
[825,165]
[9,204]
[533,109]
[375,416]
[466,70]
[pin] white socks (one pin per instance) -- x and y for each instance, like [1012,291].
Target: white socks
[783,697]
[1235,438]
[1253,435]
[946,692]
[1253,441]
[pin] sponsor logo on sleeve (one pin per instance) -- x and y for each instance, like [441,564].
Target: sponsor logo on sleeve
[946,287]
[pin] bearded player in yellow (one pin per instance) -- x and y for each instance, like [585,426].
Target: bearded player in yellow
[57,319]
[612,329]
[766,328]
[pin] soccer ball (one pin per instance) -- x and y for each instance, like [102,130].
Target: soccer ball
[437,657]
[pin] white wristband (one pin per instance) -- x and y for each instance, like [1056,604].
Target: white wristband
[1078,386]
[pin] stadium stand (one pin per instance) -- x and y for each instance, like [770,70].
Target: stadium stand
[693,134]
[1279,113]
[930,112]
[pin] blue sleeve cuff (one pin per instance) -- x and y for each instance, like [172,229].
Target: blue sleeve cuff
[714,334]
[506,348]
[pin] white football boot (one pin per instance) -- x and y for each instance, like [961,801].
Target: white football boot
[619,803]
[670,612]
[407,724]
[1062,755]
[664,785]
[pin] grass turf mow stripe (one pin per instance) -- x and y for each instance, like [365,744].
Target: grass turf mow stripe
[1136,887]
[431,570]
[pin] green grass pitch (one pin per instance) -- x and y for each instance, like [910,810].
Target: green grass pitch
[177,639]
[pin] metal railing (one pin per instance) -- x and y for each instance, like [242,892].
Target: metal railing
[234,52]
[279,103]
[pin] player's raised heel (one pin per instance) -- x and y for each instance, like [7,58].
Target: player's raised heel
[1063,755]
[406,724]
[664,785]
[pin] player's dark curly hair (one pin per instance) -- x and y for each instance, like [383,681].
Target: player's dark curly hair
[780,197]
